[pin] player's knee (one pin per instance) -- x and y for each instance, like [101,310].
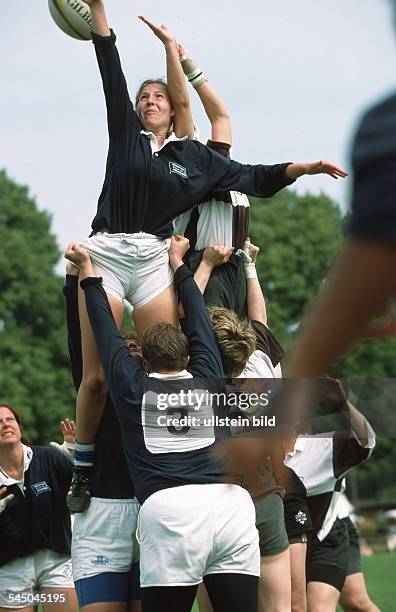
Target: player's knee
[298,602]
[298,606]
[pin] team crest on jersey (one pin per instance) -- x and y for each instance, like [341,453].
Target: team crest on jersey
[178,169]
[301,517]
[41,487]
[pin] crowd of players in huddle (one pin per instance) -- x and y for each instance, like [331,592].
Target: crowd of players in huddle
[157,512]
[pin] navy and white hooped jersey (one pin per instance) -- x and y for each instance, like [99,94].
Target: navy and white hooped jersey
[163,453]
[221,219]
[321,464]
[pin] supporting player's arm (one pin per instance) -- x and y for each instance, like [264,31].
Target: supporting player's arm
[98,17]
[256,307]
[120,368]
[183,124]
[213,256]
[215,109]
[205,358]
[70,291]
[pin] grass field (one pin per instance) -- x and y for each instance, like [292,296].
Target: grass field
[380,573]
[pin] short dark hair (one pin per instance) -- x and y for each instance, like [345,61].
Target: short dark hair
[165,347]
[17,418]
[149,82]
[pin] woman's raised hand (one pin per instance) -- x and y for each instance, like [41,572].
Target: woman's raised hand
[161,31]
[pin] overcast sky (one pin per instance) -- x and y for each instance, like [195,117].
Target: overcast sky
[295,76]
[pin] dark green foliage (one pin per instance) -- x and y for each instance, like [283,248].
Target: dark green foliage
[34,365]
[298,237]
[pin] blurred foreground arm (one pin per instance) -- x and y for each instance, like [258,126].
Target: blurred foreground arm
[362,282]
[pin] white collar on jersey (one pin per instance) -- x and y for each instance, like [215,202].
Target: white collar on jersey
[7,481]
[154,142]
[182,374]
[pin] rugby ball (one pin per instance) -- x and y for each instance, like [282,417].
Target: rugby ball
[73,17]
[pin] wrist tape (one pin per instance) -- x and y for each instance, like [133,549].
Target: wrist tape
[250,271]
[192,71]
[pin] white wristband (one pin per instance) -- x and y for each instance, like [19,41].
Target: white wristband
[66,449]
[250,271]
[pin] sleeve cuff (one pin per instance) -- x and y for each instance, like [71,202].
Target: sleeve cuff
[220,147]
[289,180]
[181,274]
[370,437]
[109,40]
[91,280]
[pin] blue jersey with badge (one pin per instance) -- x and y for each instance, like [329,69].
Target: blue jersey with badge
[37,518]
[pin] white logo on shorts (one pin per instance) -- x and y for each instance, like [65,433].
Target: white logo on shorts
[177,169]
[100,560]
[301,517]
[67,572]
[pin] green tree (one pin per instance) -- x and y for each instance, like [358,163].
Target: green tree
[298,237]
[34,366]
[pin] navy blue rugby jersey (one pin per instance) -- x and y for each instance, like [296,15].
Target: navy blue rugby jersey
[145,192]
[109,477]
[374,174]
[161,449]
[37,518]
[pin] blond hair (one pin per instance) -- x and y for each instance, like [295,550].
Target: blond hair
[236,339]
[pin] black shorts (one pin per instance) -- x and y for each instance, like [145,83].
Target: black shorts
[354,556]
[327,561]
[297,518]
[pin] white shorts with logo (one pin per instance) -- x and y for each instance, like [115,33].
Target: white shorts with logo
[22,579]
[190,531]
[134,267]
[104,537]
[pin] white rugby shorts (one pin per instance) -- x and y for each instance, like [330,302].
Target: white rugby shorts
[104,539]
[134,267]
[190,531]
[21,579]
